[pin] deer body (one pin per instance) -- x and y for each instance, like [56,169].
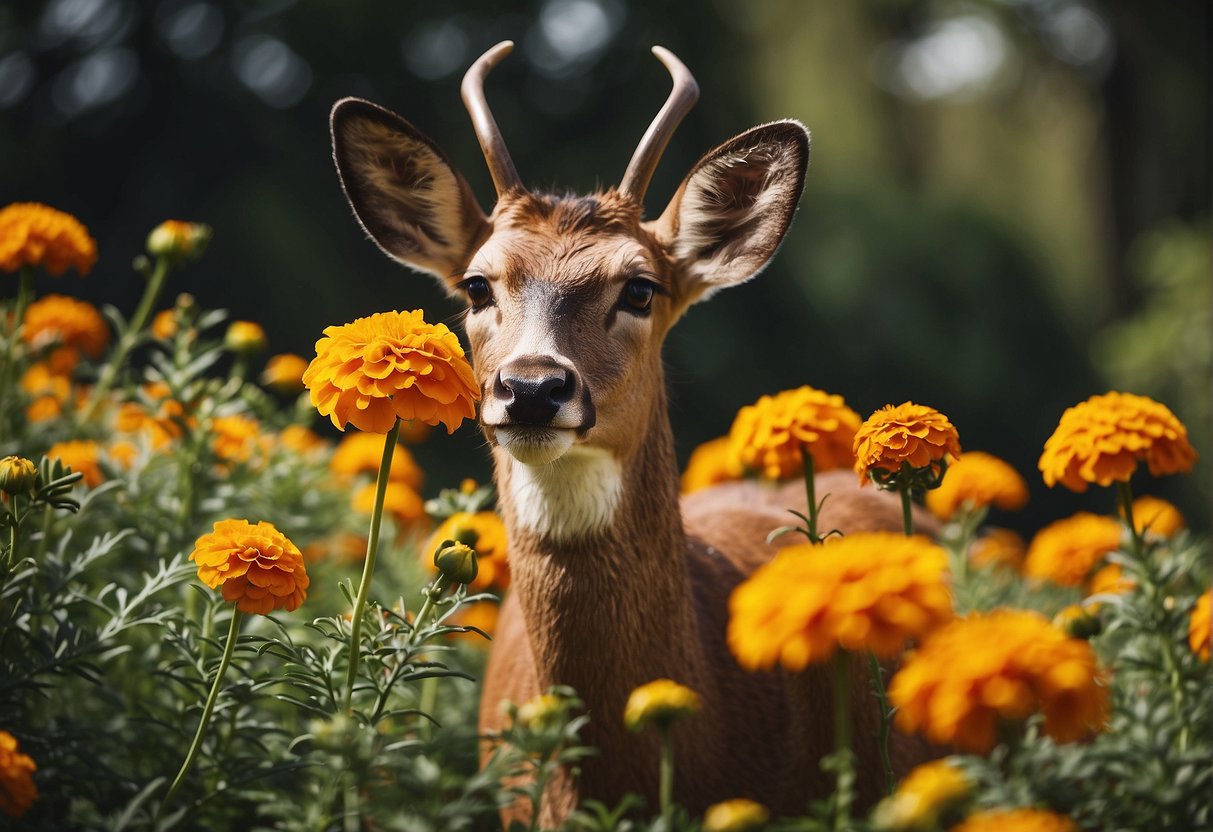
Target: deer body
[615,583]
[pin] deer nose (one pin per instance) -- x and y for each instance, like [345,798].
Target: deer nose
[533,388]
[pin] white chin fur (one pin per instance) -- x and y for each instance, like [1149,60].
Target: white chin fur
[535,446]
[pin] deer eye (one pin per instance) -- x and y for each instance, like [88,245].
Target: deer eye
[479,293]
[638,295]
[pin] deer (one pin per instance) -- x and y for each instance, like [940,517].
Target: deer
[616,581]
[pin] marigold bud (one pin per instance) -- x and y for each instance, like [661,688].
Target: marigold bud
[661,702]
[178,241]
[1079,621]
[284,373]
[737,815]
[245,338]
[17,475]
[456,561]
[538,713]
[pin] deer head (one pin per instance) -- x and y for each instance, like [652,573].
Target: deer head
[569,298]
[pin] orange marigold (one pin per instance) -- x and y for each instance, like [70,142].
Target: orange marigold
[32,234]
[361,453]
[399,500]
[709,465]
[17,789]
[245,337]
[768,436]
[1110,580]
[484,531]
[1198,626]
[301,440]
[926,793]
[255,566]
[58,319]
[866,591]
[284,373]
[1066,551]
[391,365]
[1016,820]
[1101,440]
[977,479]
[999,546]
[908,433]
[79,455]
[1157,517]
[236,438]
[999,666]
[41,380]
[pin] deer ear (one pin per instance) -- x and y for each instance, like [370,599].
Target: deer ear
[727,219]
[404,191]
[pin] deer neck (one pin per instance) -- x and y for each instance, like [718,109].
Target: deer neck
[597,557]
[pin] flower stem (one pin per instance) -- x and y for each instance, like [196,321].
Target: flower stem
[368,566]
[666,792]
[1124,495]
[24,291]
[129,338]
[810,491]
[207,710]
[886,719]
[907,509]
[844,758]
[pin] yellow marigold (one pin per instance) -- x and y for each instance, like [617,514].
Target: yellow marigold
[32,234]
[977,479]
[866,591]
[999,666]
[255,566]
[1066,551]
[999,546]
[79,455]
[400,501]
[767,437]
[538,712]
[58,319]
[1016,820]
[284,373]
[909,433]
[1198,626]
[1155,516]
[18,475]
[484,531]
[1101,440]
[391,365]
[660,702]
[361,453]
[236,438]
[923,797]
[164,324]
[244,337]
[301,440]
[17,789]
[709,465]
[736,815]
[1111,580]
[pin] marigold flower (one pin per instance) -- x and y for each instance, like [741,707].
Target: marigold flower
[244,338]
[391,365]
[58,319]
[909,433]
[17,789]
[1001,666]
[977,479]
[866,591]
[456,562]
[768,436]
[236,437]
[923,797]
[999,546]
[399,500]
[178,240]
[124,454]
[32,234]
[709,465]
[1016,820]
[1101,440]
[362,453]
[161,428]
[17,475]
[537,713]
[1198,626]
[1110,580]
[1066,551]
[736,815]
[484,531]
[344,546]
[661,702]
[164,324]
[43,410]
[1079,620]
[255,566]
[1157,517]
[79,455]
[302,440]
[284,373]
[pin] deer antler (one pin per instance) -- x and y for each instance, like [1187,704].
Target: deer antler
[501,167]
[682,98]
